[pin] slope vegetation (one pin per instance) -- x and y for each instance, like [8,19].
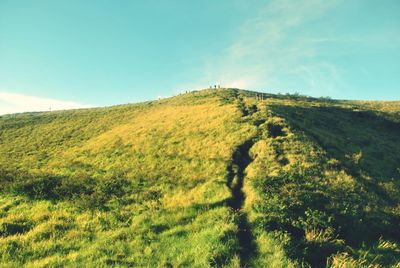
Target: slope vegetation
[214,178]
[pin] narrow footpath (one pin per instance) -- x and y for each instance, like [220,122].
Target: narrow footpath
[240,160]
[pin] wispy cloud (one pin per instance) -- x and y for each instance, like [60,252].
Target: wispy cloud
[17,103]
[274,48]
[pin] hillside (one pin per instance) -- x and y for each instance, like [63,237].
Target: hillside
[215,178]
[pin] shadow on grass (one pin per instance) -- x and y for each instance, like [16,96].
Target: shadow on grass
[344,133]
[367,146]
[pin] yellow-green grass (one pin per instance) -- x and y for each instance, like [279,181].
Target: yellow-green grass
[173,153]
[151,184]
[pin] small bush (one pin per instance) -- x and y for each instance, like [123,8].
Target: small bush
[12,228]
[41,187]
[86,192]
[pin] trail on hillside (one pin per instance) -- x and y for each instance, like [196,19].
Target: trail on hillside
[240,160]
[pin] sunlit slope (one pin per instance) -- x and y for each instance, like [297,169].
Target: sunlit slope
[220,178]
[131,185]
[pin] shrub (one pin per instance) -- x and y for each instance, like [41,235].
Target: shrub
[40,187]
[86,192]
[12,228]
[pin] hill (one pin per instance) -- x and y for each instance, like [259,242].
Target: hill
[210,178]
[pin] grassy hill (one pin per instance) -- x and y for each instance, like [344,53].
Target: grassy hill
[214,178]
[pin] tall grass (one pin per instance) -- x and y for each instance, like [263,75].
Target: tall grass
[147,184]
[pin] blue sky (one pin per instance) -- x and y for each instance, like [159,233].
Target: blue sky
[73,53]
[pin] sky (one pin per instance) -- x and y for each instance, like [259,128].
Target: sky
[70,53]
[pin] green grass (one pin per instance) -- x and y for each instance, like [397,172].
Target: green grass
[154,184]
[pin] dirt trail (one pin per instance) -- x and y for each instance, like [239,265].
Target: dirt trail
[240,160]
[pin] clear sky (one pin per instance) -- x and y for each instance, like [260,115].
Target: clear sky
[74,53]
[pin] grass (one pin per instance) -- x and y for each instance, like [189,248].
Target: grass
[166,183]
